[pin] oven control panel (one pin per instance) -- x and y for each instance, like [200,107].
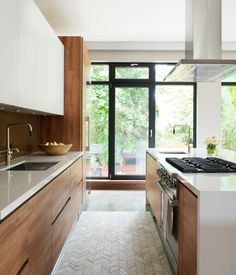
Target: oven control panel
[166,178]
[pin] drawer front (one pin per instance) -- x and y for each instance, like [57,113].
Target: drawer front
[77,172]
[14,249]
[77,186]
[78,199]
[60,230]
[40,233]
[61,191]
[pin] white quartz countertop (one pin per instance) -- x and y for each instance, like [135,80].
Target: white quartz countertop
[18,186]
[201,182]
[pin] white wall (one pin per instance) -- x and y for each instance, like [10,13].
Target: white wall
[208,111]
[135,56]
[143,56]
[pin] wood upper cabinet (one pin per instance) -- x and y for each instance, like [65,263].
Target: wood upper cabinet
[40,233]
[187,231]
[153,192]
[14,245]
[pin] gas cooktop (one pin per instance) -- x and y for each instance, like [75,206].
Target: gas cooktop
[202,165]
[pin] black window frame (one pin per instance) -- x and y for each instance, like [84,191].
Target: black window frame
[151,83]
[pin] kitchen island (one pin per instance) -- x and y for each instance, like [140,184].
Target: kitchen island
[211,197]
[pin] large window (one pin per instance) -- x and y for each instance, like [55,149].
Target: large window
[99,110]
[228,116]
[174,106]
[131,109]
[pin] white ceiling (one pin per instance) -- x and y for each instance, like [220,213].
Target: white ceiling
[128,20]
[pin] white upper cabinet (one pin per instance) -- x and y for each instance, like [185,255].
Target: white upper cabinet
[8,51]
[39,63]
[33,59]
[54,74]
[26,69]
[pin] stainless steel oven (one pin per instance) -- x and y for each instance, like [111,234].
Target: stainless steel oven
[169,211]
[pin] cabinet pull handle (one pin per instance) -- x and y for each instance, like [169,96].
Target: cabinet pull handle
[88,133]
[61,210]
[23,267]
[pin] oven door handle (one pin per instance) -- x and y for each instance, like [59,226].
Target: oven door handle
[173,203]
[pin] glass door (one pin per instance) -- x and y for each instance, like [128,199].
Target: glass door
[130,130]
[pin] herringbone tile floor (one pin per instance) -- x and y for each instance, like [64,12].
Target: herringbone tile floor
[112,243]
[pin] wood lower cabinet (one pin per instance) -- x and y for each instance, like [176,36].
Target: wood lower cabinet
[77,186]
[61,191]
[60,229]
[14,244]
[40,232]
[187,231]
[153,192]
[32,237]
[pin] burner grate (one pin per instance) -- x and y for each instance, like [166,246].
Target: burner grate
[200,165]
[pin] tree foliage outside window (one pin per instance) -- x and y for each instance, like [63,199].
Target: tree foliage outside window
[132,73]
[174,106]
[131,123]
[99,110]
[228,117]
[100,72]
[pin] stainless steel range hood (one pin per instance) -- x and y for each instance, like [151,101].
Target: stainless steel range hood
[203,45]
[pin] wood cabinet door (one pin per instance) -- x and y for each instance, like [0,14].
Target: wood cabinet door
[40,233]
[77,186]
[61,191]
[60,229]
[187,231]
[14,248]
[153,192]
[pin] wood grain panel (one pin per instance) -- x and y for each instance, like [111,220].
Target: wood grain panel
[14,248]
[40,232]
[153,192]
[61,229]
[77,172]
[187,232]
[77,187]
[61,190]
[69,128]
[116,184]
[20,135]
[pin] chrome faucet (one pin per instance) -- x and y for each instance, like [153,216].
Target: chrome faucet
[189,133]
[9,151]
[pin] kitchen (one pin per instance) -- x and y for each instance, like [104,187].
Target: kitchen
[43,100]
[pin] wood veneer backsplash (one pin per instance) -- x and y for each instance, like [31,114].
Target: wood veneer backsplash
[19,136]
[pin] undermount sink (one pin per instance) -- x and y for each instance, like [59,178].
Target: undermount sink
[172,152]
[32,166]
